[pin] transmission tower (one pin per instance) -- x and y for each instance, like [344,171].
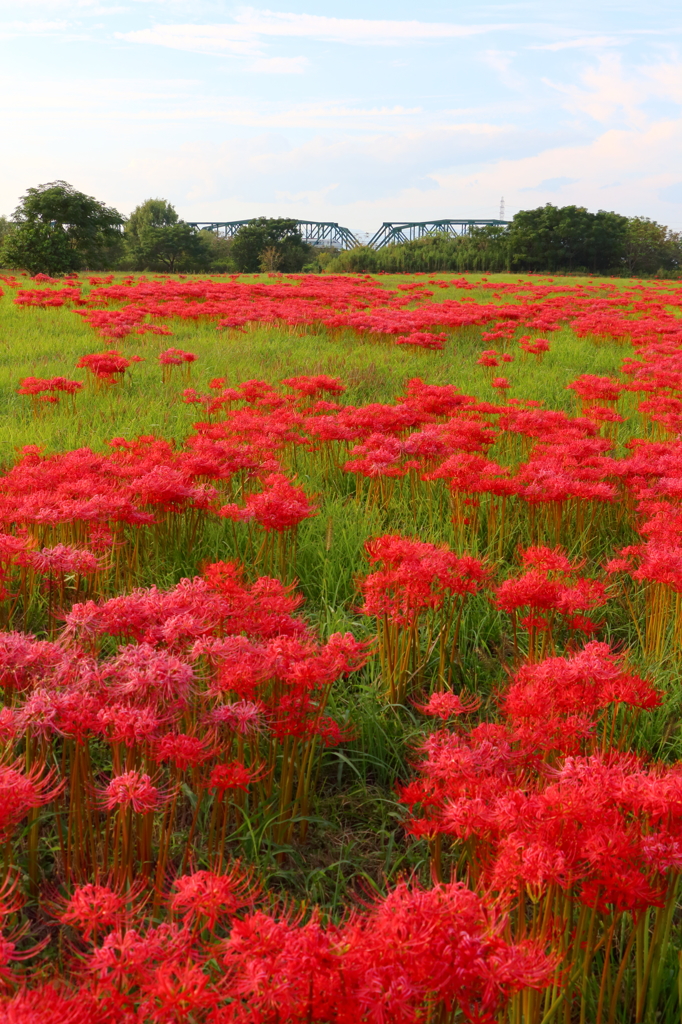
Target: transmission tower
[502,208]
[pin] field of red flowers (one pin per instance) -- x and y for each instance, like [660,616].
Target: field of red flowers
[340,651]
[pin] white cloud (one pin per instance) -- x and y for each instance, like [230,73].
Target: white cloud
[13,29]
[279,65]
[78,8]
[215,39]
[353,30]
[140,101]
[608,93]
[500,61]
[584,43]
[244,35]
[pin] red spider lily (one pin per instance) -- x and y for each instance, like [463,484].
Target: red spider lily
[47,1003]
[183,751]
[313,386]
[436,941]
[489,358]
[107,367]
[44,391]
[36,385]
[596,389]
[131,789]
[444,705]
[558,703]
[417,580]
[537,347]
[176,357]
[205,898]
[22,791]
[62,559]
[93,909]
[280,506]
[242,716]
[550,586]
[422,339]
[215,694]
[233,775]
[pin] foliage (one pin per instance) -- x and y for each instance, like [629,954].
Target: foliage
[58,230]
[265,234]
[40,249]
[153,213]
[218,252]
[549,239]
[155,239]
[566,238]
[481,249]
[650,247]
[172,248]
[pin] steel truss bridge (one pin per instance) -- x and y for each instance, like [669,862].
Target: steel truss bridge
[393,232]
[330,234]
[319,233]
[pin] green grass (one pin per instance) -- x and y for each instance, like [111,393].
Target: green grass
[49,342]
[356,838]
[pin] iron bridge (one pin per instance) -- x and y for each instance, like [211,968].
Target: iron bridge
[330,234]
[394,232]
[314,232]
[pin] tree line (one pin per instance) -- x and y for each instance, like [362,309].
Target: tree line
[552,239]
[57,230]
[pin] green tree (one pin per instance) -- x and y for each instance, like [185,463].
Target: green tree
[40,249]
[155,239]
[567,238]
[218,252]
[483,248]
[650,247]
[265,234]
[174,248]
[153,213]
[57,229]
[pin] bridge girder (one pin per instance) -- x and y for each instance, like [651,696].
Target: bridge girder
[329,233]
[318,233]
[395,232]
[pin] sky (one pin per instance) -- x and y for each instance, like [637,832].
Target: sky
[358,113]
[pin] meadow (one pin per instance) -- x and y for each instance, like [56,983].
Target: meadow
[341,643]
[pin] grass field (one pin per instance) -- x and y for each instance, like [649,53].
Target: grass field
[465,688]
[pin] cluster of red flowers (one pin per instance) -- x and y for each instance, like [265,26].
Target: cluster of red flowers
[47,390]
[362,305]
[149,733]
[226,960]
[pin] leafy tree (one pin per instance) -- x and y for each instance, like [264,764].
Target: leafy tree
[157,240]
[58,229]
[483,249]
[153,213]
[40,249]
[567,238]
[360,260]
[265,234]
[650,247]
[174,248]
[218,252]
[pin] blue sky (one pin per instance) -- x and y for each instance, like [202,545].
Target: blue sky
[357,112]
